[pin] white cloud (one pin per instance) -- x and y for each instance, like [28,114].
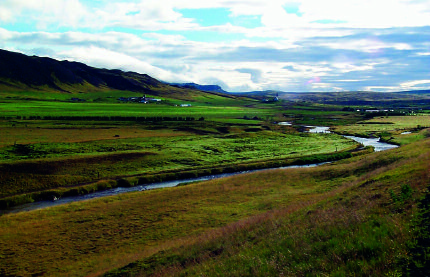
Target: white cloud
[348,67]
[256,75]
[368,13]
[334,41]
[381,88]
[276,17]
[104,58]
[369,45]
[44,12]
[413,84]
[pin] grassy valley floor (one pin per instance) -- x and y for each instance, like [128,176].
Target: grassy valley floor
[358,216]
[64,155]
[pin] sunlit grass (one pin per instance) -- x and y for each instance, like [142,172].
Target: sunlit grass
[392,124]
[9,108]
[41,166]
[354,228]
[255,219]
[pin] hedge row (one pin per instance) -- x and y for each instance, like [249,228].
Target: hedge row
[102,118]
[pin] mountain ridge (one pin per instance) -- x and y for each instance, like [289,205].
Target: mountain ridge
[20,72]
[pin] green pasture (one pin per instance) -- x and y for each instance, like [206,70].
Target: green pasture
[316,115]
[55,164]
[55,109]
[206,148]
[189,96]
[392,125]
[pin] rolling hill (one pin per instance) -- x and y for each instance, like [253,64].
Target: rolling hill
[19,72]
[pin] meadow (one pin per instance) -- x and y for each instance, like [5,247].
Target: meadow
[350,217]
[57,109]
[50,146]
[38,166]
[386,125]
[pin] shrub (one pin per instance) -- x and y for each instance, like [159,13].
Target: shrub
[404,194]
[123,183]
[105,184]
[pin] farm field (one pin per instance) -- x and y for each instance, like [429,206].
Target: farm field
[392,124]
[33,132]
[57,109]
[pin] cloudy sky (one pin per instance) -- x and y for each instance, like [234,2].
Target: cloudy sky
[241,45]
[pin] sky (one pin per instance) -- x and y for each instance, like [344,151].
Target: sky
[241,45]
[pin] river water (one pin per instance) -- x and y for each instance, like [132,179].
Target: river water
[375,142]
[45,204]
[379,146]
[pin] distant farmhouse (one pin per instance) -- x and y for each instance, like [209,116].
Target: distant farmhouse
[274,99]
[74,99]
[377,111]
[143,99]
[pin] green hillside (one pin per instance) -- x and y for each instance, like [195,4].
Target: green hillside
[360,216]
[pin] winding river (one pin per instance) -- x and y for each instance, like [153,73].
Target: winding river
[378,146]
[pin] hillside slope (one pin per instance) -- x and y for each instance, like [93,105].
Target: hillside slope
[369,218]
[356,217]
[19,72]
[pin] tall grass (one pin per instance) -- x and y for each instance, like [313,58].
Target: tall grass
[30,168]
[356,229]
[335,219]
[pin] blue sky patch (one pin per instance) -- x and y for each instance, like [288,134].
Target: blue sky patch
[293,8]
[207,17]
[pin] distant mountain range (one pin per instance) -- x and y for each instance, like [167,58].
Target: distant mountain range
[19,72]
[213,88]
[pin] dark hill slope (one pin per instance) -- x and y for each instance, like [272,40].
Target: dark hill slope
[19,72]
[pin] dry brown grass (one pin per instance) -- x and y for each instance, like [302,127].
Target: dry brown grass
[230,214]
[30,135]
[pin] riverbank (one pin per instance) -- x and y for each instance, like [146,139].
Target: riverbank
[140,182]
[43,166]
